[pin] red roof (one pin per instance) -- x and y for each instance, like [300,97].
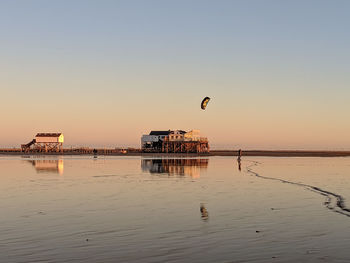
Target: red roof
[48,134]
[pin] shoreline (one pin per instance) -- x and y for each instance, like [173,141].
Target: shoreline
[262,153]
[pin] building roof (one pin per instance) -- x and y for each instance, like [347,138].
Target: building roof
[159,132]
[48,134]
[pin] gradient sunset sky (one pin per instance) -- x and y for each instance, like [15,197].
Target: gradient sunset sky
[105,72]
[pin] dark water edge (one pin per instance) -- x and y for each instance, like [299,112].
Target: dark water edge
[255,153]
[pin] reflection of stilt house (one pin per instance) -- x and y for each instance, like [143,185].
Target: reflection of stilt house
[45,142]
[175,142]
[188,167]
[48,166]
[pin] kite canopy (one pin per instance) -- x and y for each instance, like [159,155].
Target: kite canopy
[204,103]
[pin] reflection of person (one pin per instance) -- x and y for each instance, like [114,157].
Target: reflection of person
[204,212]
[239,159]
[95,153]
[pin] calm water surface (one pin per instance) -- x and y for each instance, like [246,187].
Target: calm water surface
[133,209]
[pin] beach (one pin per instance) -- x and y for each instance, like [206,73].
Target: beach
[171,209]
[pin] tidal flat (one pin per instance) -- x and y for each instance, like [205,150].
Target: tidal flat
[169,209]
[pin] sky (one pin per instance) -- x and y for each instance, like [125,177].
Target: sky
[106,72]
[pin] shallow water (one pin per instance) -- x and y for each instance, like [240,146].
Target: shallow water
[133,209]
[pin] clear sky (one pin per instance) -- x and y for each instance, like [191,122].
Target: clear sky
[105,72]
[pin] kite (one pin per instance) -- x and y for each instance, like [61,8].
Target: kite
[205,103]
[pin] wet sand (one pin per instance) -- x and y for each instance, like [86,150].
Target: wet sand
[82,209]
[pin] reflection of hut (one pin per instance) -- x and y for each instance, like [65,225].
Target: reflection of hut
[48,166]
[188,167]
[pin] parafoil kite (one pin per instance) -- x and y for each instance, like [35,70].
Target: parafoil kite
[204,103]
